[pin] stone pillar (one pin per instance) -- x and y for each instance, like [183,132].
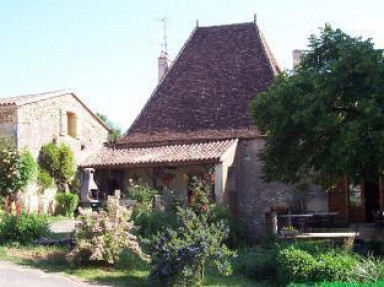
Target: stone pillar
[219,182]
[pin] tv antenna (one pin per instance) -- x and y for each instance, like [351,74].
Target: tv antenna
[164,45]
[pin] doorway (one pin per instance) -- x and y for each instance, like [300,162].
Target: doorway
[355,203]
[372,200]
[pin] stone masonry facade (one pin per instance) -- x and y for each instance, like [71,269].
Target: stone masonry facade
[34,124]
[253,200]
[8,120]
[34,120]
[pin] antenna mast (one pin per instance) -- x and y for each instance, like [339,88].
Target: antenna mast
[165,42]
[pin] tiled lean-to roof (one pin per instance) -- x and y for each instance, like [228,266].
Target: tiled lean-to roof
[207,152]
[209,88]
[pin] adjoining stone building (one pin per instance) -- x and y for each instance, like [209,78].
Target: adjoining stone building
[198,119]
[61,117]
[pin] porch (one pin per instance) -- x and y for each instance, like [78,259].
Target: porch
[166,168]
[168,181]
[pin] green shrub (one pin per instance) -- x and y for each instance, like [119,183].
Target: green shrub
[370,269]
[326,265]
[44,180]
[237,237]
[66,203]
[256,264]
[58,161]
[296,265]
[23,229]
[335,265]
[143,194]
[49,159]
[101,238]
[179,256]
[153,222]
[16,168]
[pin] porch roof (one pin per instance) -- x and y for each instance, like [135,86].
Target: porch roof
[187,153]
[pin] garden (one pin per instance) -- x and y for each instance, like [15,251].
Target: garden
[201,244]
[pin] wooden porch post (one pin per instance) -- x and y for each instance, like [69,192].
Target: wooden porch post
[154,177]
[347,198]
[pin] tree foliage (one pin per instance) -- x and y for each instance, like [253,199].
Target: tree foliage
[326,118]
[16,168]
[58,162]
[115,129]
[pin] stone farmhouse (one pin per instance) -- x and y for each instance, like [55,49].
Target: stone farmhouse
[61,117]
[34,120]
[197,120]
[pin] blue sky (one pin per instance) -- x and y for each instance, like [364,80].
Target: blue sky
[106,51]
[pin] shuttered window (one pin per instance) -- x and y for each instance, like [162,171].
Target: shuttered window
[72,124]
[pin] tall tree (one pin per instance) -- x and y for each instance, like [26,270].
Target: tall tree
[115,129]
[326,119]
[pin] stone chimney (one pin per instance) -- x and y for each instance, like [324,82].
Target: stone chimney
[162,65]
[296,57]
[88,186]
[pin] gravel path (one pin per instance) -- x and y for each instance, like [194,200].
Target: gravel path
[15,276]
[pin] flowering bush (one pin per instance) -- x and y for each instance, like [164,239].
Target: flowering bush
[102,237]
[179,256]
[16,168]
[201,191]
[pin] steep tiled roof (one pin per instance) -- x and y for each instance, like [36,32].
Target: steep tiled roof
[208,152]
[33,98]
[207,91]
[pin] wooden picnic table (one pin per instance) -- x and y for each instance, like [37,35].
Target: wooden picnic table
[323,219]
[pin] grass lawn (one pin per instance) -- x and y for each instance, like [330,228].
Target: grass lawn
[131,271]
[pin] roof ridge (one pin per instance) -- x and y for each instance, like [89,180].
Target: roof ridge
[268,53]
[17,100]
[229,25]
[61,91]
[27,99]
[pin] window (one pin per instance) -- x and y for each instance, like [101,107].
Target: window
[355,195]
[71,124]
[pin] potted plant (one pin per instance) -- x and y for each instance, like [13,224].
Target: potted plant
[288,231]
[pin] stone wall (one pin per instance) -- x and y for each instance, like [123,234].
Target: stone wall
[8,121]
[253,199]
[46,120]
